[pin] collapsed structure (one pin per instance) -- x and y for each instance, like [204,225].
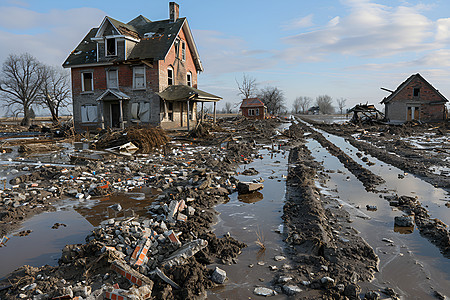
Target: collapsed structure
[140,72]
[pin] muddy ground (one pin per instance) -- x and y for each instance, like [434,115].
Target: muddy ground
[177,228]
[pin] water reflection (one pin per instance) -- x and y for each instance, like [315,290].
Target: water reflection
[404,230]
[251,198]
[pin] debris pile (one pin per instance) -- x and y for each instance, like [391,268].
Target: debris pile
[365,114]
[145,138]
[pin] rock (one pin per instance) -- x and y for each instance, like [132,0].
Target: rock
[284,279]
[263,291]
[291,290]
[327,281]
[29,287]
[82,291]
[219,276]
[372,295]
[404,221]
[188,250]
[371,207]
[248,187]
[279,258]
[387,240]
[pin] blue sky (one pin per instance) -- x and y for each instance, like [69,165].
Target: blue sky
[345,49]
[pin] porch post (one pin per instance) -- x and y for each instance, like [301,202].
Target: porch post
[181,113]
[102,116]
[188,121]
[201,117]
[214,122]
[121,114]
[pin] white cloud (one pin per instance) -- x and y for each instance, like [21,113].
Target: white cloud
[225,54]
[369,30]
[49,36]
[301,22]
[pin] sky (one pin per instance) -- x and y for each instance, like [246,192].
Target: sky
[345,49]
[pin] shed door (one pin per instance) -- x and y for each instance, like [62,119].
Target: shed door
[412,113]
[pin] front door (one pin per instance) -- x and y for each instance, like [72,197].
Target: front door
[115,115]
[412,113]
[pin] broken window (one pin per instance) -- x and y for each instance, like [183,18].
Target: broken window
[416,92]
[189,79]
[89,113]
[113,80]
[140,111]
[177,46]
[169,76]
[183,50]
[111,47]
[257,112]
[139,77]
[87,82]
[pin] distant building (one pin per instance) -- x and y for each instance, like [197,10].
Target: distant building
[140,72]
[314,110]
[415,99]
[253,108]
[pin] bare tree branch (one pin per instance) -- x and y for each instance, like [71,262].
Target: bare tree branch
[341,104]
[324,104]
[248,87]
[273,98]
[20,82]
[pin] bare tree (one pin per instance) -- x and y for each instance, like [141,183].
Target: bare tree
[341,104]
[324,104]
[296,105]
[273,98]
[20,82]
[302,103]
[55,91]
[248,87]
[228,107]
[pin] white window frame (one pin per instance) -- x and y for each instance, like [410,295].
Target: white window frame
[170,79]
[108,80]
[177,48]
[183,50]
[251,112]
[189,79]
[106,47]
[83,88]
[135,69]
[85,113]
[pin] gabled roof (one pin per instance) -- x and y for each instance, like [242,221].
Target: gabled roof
[184,92]
[116,93]
[154,40]
[406,83]
[252,102]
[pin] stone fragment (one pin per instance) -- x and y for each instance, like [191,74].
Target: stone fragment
[404,221]
[291,290]
[219,276]
[188,250]
[263,291]
[248,187]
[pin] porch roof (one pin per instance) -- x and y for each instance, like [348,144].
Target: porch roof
[185,93]
[116,93]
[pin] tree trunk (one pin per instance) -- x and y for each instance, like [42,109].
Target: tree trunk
[26,121]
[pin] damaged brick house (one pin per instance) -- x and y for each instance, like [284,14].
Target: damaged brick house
[253,108]
[141,72]
[415,99]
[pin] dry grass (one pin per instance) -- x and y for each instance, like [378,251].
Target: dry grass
[145,138]
[260,239]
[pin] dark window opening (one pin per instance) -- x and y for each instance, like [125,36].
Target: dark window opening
[183,51]
[87,82]
[110,46]
[170,111]
[169,76]
[416,92]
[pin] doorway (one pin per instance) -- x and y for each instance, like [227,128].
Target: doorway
[412,113]
[115,115]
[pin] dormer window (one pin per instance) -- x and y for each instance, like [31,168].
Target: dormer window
[111,47]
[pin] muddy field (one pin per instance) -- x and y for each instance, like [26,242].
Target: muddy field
[160,217]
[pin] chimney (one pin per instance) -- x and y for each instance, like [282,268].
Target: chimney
[174,11]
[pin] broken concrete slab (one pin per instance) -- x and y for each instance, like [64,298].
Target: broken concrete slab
[249,187]
[219,276]
[188,250]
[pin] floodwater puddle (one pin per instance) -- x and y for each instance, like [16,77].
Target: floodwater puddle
[251,218]
[411,265]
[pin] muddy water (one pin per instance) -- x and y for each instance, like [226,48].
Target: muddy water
[44,244]
[246,217]
[411,265]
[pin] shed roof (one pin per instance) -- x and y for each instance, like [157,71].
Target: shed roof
[406,83]
[252,102]
[184,92]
